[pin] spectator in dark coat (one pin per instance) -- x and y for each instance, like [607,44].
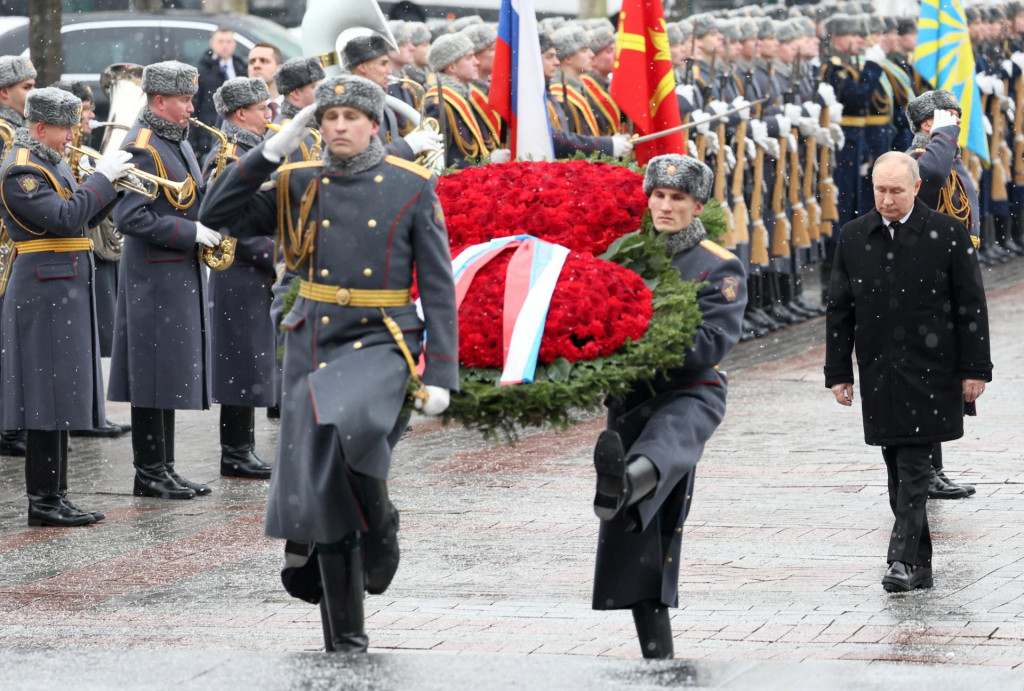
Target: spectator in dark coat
[216,66]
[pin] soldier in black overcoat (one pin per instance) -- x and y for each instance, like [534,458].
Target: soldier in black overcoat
[646,459]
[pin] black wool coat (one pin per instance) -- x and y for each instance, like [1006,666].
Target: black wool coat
[914,309]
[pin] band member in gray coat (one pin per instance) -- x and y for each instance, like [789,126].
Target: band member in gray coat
[646,459]
[52,382]
[160,361]
[355,227]
[242,339]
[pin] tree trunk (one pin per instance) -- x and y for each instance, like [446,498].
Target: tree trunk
[147,5]
[215,6]
[593,8]
[44,40]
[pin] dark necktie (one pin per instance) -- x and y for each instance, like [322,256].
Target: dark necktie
[274,109]
[895,227]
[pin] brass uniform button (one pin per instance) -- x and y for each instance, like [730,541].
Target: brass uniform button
[364,320]
[325,319]
[670,560]
[372,223]
[326,223]
[379,178]
[367,272]
[323,364]
[678,530]
[325,273]
[326,181]
[343,297]
[357,345]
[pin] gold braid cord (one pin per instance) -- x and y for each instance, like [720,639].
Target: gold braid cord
[953,200]
[189,191]
[295,242]
[469,149]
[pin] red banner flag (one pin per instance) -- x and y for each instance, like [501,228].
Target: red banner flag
[643,84]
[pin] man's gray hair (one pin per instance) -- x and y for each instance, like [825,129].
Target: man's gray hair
[909,161]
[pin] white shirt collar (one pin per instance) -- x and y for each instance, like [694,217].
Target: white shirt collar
[901,221]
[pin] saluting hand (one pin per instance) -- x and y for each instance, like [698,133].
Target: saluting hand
[289,137]
[844,393]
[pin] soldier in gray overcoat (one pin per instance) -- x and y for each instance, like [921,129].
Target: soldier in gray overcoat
[242,343]
[160,360]
[52,382]
[355,227]
[647,457]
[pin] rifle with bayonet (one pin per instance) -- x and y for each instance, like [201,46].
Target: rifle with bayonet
[798,228]
[780,232]
[728,238]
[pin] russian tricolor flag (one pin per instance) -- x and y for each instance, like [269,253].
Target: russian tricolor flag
[517,82]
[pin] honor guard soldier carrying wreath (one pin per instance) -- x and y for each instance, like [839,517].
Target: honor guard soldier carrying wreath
[352,229]
[52,381]
[647,457]
[160,360]
[242,340]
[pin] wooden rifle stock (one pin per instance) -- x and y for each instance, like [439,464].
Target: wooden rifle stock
[740,213]
[1018,132]
[728,238]
[800,237]
[826,187]
[995,150]
[780,235]
[758,231]
[810,202]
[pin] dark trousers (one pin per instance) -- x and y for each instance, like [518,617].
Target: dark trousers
[937,457]
[909,469]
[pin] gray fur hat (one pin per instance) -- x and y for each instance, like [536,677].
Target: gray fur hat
[747,29]
[729,29]
[170,78]
[602,35]
[15,69]
[675,34]
[447,49]
[296,73]
[765,28]
[418,33]
[439,26]
[841,25]
[925,105]
[80,89]
[678,172]
[238,93]
[550,24]
[400,30]
[352,91]
[462,22]
[53,106]
[547,40]
[787,31]
[483,36]
[703,24]
[570,40]
[363,49]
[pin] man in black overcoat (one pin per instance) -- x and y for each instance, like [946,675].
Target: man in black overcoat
[906,292]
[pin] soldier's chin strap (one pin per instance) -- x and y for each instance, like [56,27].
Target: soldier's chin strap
[396,333]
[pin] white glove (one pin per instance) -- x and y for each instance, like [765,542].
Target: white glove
[813,110]
[807,126]
[792,111]
[791,142]
[942,118]
[771,147]
[1011,109]
[711,146]
[206,236]
[114,165]
[289,137]
[835,112]
[691,148]
[824,137]
[837,136]
[730,159]
[784,124]
[750,149]
[758,130]
[423,140]
[864,169]
[1018,59]
[621,146]
[740,102]
[499,156]
[984,83]
[1007,67]
[827,93]
[874,54]
[998,88]
[717,107]
[988,125]
[697,116]
[686,92]
[438,399]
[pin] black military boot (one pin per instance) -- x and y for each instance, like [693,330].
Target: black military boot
[12,443]
[151,476]
[200,489]
[1017,231]
[1004,237]
[788,296]
[341,577]
[237,456]
[620,483]
[801,301]
[380,541]
[756,303]
[775,309]
[654,629]
[46,506]
[97,515]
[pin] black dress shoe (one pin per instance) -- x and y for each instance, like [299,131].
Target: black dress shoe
[52,511]
[107,429]
[967,488]
[199,488]
[240,461]
[96,515]
[159,484]
[273,413]
[612,486]
[902,577]
[939,488]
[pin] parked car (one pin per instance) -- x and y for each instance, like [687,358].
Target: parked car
[94,40]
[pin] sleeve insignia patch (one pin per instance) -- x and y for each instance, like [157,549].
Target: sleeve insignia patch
[29,184]
[730,288]
[438,213]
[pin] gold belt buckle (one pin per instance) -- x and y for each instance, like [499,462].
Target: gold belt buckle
[343,296]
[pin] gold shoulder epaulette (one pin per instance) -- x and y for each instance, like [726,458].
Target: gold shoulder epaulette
[22,157]
[301,164]
[717,250]
[409,165]
[142,138]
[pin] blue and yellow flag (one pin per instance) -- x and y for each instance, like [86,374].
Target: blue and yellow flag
[943,57]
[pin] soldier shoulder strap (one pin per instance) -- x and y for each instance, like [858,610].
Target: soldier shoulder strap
[408,165]
[22,158]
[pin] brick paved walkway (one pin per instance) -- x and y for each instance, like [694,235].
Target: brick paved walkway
[782,554]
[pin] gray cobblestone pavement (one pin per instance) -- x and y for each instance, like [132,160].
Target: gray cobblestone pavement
[779,587]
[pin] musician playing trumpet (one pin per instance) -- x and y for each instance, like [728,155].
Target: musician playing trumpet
[242,339]
[52,381]
[160,360]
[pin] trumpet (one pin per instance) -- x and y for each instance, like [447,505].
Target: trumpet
[432,159]
[138,181]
